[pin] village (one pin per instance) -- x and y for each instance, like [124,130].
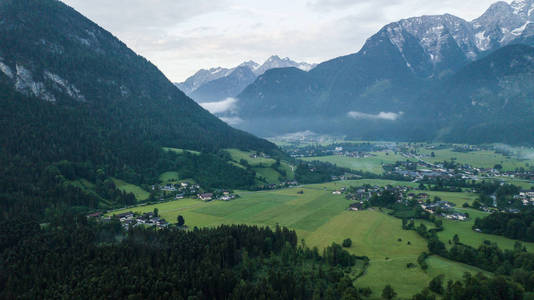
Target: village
[167,192]
[406,196]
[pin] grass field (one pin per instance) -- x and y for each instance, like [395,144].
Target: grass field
[369,164]
[320,218]
[268,173]
[180,151]
[457,198]
[238,155]
[90,188]
[261,165]
[524,184]
[478,159]
[139,193]
[336,185]
[470,237]
[169,177]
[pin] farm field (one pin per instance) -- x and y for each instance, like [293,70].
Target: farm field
[138,192]
[181,151]
[320,218]
[470,237]
[169,177]
[478,159]
[261,165]
[369,164]
[457,198]
[336,185]
[524,184]
[238,155]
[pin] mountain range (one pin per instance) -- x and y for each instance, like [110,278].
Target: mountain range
[385,85]
[219,83]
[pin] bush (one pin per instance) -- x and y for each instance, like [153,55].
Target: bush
[347,243]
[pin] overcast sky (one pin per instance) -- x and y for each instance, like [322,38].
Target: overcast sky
[183,36]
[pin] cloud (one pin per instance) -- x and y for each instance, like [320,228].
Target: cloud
[232,121]
[133,15]
[220,107]
[183,36]
[519,152]
[327,5]
[389,116]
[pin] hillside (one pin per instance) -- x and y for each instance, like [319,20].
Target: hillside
[77,103]
[490,100]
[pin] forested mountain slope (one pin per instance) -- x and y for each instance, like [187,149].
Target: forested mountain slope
[490,100]
[74,95]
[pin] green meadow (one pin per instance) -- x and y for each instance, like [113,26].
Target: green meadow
[320,218]
[180,151]
[138,192]
[369,164]
[238,155]
[470,237]
[262,166]
[478,159]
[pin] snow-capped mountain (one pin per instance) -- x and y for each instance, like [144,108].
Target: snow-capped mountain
[224,87]
[203,76]
[503,23]
[431,45]
[276,62]
[203,80]
[391,71]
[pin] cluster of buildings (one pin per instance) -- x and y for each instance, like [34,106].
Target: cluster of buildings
[421,169]
[259,155]
[180,190]
[526,196]
[346,149]
[218,195]
[404,194]
[364,193]
[444,209]
[130,219]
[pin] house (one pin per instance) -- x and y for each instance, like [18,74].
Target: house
[148,215]
[205,196]
[125,216]
[423,196]
[184,184]
[457,216]
[356,206]
[169,188]
[227,197]
[179,196]
[336,192]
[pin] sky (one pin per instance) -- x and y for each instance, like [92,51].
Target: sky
[182,36]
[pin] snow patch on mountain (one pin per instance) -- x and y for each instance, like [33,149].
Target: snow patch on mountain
[203,76]
[6,69]
[482,41]
[433,34]
[64,86]
[25,84]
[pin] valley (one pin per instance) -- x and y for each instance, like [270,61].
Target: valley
[404,170]
[320,213]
